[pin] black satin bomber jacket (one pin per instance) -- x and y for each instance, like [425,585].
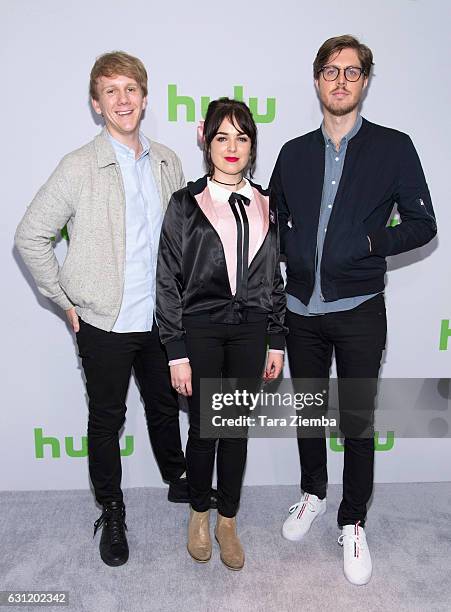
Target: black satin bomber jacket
[192,274]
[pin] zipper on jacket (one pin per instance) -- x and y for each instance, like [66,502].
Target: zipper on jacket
[421,202]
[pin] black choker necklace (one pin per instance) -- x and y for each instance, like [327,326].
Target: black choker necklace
[228,184]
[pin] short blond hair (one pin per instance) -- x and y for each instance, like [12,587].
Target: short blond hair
[117,63]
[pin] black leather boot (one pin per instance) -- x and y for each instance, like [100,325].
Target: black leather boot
[178,493]
[113,542]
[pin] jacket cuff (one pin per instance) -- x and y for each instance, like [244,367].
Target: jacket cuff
[63,302]
[176,349]
[178,361]
[276,341]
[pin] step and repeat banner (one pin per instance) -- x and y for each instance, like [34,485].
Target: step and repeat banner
[259,52]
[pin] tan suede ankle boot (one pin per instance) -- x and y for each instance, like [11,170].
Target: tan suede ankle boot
[232,554]
[199,542]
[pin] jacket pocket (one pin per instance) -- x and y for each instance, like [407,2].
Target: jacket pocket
[349,256]
[363,258]
[360,246]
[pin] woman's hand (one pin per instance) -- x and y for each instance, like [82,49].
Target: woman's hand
[181,378]
[274,365]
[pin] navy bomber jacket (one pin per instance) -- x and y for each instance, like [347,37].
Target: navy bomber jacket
[381,169]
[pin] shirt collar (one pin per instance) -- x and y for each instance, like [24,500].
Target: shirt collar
[221,194]
[347,137]
[124,152]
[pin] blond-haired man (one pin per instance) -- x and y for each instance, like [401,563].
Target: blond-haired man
[112,193]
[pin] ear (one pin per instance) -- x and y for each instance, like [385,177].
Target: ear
[316,84]
[365,82]
[144,104]
[96,106]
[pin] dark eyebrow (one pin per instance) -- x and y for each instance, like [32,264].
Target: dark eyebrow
[226,134]
[335,66]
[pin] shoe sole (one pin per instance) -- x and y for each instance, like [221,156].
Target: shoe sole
[230,567]
[360,583]
[301,537]
[196,559]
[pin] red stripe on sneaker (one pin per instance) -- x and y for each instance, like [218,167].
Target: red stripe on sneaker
[356,532]
[301,511]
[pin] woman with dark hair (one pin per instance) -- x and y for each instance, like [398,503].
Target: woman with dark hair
[220,305]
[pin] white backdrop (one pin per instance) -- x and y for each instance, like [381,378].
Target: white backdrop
[205,50]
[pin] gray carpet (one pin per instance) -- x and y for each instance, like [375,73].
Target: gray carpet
[46,543]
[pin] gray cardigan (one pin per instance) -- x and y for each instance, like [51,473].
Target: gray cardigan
[86,192]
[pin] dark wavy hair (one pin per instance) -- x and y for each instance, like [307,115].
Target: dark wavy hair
[239,114]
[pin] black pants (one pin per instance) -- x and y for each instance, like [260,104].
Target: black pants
[358,337]
[229,351]
[108,359]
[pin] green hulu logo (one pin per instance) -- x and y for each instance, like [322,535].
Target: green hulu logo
[445,333]
[389,443]
[42,442]
[187,102]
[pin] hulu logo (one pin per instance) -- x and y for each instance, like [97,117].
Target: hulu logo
[42,442]
[175,101]
[445,334]
[389,443]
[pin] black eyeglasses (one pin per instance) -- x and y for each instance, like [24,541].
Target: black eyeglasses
[352,73]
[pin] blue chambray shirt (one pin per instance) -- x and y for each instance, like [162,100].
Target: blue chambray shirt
[143,219]
[333,169]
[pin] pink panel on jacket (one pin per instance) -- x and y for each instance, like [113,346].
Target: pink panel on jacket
[221,217]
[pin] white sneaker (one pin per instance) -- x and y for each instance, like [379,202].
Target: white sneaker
[357,565]
[302,516]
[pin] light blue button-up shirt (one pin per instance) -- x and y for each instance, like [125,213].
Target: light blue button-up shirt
[333,169]
[143,219]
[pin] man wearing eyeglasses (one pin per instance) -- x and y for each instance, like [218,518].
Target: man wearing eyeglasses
[335,189]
